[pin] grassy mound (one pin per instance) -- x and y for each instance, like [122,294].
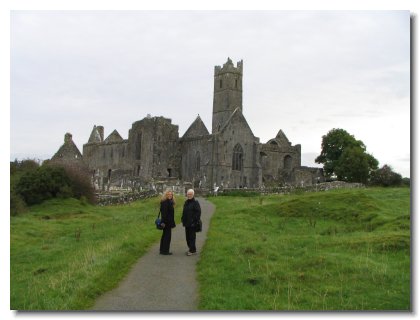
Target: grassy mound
[337,250]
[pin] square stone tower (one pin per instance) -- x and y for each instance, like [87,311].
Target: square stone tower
[227,94]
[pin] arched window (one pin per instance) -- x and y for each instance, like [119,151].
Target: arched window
[237,157]
[287,162]
[197,161]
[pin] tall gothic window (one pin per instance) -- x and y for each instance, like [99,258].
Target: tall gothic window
[197,161]
[237,157]
[220,83]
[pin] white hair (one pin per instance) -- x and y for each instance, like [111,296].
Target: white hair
[191,191]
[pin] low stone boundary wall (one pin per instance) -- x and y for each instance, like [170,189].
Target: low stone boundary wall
[127,197]
[324,186]
[123,198]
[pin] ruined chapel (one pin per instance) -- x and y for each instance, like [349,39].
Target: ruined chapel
[230,156]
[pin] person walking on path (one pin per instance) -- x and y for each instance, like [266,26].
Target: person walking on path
[168,221]
[190,217]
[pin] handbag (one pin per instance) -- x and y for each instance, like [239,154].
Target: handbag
[199,226]
[158,222]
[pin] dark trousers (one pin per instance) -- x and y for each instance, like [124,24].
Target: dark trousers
[190,236]
[165,241]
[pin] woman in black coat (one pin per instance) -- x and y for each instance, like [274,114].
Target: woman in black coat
[190,217]
[168,221]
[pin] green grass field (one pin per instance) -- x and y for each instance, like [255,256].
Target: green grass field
[65,253]
[335,250]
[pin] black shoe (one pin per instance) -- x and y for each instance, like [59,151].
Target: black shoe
[166,253]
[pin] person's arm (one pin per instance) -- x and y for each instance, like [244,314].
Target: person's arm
[163,214]
[197,210]
[182,217]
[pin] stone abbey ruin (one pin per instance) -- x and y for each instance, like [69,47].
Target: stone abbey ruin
[228,157]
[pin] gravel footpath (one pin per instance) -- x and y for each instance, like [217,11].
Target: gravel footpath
[157,282]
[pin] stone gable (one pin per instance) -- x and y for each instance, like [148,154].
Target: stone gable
[196,129]
[68,151]
[114,137]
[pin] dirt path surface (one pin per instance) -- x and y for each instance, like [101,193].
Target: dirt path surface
[157,282]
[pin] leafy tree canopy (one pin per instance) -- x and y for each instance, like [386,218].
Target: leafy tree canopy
[355,165]
[345,156]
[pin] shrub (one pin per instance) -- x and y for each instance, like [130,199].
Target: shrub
[386,177]
[23,166]
[80,183]
[44,183]
[406,182]
[36,184]
[17,205]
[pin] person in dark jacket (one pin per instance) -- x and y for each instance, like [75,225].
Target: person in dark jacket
[167,205]
[190,217]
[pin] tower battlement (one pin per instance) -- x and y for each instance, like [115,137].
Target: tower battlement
[229,67]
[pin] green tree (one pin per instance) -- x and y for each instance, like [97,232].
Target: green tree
[17,170]
[333,145]
[22,166]
[355,165]
[345,156]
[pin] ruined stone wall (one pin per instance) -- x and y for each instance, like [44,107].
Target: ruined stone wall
[302,178]
[108,163]
[154,148]
[307,176]
[140,145]
[279,161]
[166,150]
[68,154]
[236,134]
[154,151]
[196,156]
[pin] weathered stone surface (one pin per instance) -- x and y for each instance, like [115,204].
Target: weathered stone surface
[95,136]
[68,152]
[114,137]
[196,129]
[230,157]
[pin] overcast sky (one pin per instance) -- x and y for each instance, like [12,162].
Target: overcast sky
[304,73]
